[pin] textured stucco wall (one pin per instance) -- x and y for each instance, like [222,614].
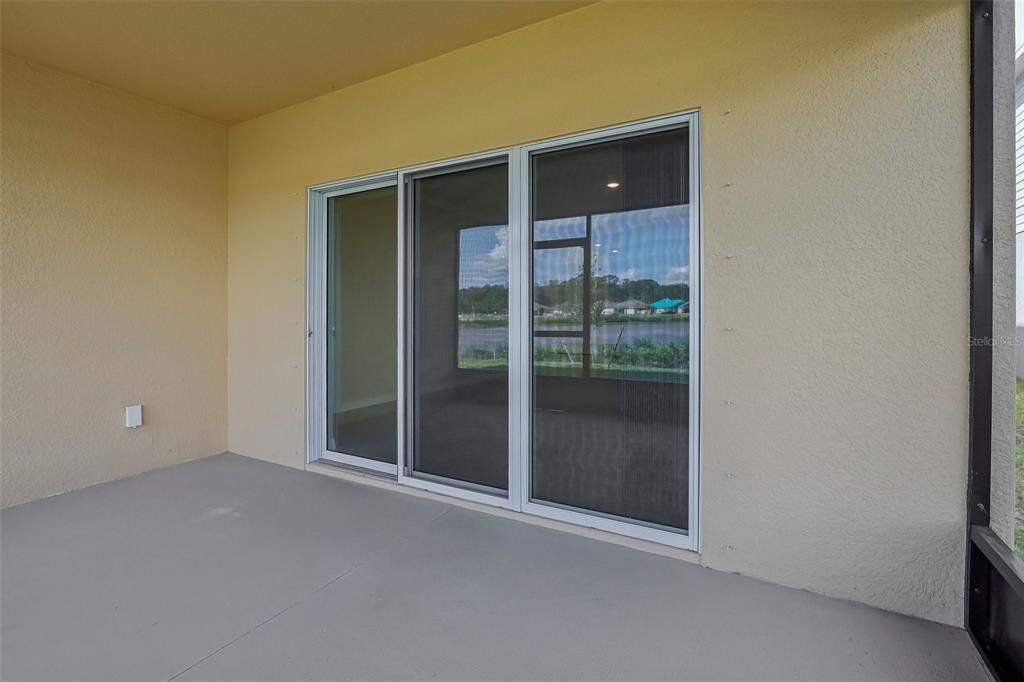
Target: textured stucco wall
[114,284]
[835,413]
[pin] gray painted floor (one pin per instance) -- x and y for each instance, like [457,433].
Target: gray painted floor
[231,568]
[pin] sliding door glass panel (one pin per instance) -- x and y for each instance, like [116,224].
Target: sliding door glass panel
[361,324]
[460,322]
[611,295]
[558,285]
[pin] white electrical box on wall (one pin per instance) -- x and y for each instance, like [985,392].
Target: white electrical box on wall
[133,416]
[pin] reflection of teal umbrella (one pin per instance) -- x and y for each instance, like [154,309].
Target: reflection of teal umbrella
[667,304]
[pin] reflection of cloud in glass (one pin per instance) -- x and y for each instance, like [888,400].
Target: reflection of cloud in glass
[557,265]
[677,274]
[483,256]
[560,228]
[652,243]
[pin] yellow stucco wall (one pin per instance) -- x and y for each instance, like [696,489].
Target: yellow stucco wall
[112,286]
[835,412]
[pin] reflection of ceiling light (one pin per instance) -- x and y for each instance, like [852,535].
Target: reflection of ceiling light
[612,185]
[615,250]
[597,244]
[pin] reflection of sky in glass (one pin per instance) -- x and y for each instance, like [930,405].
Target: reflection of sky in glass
[560,228]
[651,243]
[483,256]
[557,265]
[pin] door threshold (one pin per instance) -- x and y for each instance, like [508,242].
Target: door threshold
[386,482]
[352,469]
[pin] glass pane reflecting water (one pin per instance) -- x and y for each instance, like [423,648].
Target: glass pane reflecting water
[460,322]
[558,288]
[483,297]
[361,324]
[611,396]
[640,281]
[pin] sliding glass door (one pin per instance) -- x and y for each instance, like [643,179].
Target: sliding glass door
[520,328]
[459,321]
[611,233]
[361,335]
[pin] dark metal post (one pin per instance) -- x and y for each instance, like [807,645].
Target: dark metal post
[980,456]
[980,446]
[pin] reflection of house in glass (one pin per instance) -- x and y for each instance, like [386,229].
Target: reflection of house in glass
[566,309]
[630,307]
[669,305]
[556,310]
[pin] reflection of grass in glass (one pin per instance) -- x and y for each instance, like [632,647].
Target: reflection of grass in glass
[642,360]
[666,317]
[1018,534]
[619,372]
[484,358]
[483,363]
[554,368]
[645,353]
[478,321]
[483,321]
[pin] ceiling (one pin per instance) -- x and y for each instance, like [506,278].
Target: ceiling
[231,60]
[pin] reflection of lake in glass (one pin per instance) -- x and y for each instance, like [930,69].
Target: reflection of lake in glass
[494,338]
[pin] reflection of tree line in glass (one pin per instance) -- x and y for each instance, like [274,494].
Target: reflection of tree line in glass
[559,301]
[489,299]
[642,359]
[605,290]
[564,296]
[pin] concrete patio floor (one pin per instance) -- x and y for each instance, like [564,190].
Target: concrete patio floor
[232,568]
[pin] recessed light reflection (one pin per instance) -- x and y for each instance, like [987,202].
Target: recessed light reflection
[612,185]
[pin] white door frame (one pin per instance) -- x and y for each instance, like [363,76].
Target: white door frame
[316,325]
[520,327]
[406,475]
[689,539]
